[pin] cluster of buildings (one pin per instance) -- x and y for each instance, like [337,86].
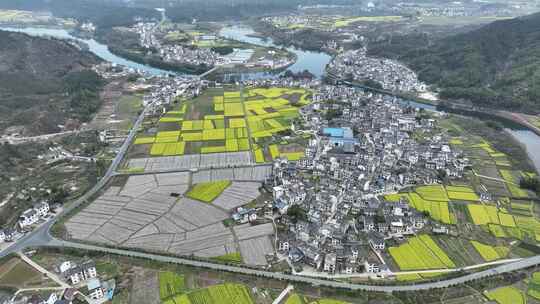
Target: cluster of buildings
[390,74]
[174,52]
[151,36]
[27,220]
[334,216]
[83,275]
[460,9]
[31,216]
[165,90]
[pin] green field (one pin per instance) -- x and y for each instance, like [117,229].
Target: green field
[461,194]
[348,21]
[490,253]
[420,253]
[217,294]
[208,192]
[221,120]
[533,289]
[506,295]
[234,257]
[17,274]
[512,182]
[438,210]
[170,284]
[296,299]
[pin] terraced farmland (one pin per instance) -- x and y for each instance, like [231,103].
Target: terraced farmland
[222,121]
[534,286]
[217,294]
[170,284]
[490,253]
[506,295]
[420,253]
[150,212]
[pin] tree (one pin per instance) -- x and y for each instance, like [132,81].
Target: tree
[296,213]
[530,183]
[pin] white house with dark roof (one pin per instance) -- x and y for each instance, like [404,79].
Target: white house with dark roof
[28,218]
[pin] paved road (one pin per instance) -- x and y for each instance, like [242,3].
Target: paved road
[524,263]
[283,294]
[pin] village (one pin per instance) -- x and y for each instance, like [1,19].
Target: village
[335,218]
[388,74]
[329,204]
[208,49]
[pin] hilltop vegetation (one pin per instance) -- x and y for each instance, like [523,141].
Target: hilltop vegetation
[44,82]
[496,65]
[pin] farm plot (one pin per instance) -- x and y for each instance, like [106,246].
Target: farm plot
[170,284]
[258,173]
[149,212]
[433,193]
[460,251]
[533,289]
[420,253]
[490,253]
[506,295]
[217,294]
[207,192]
[437,210]
[15,273]
[462,194]
[255,243]
[484,214]
[512,182]
[218,122]
[238,194]
[188,162]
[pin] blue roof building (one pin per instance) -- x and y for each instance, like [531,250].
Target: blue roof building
[340,136]
[333,132]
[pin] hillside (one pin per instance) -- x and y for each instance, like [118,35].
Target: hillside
[43,83]
[496,65]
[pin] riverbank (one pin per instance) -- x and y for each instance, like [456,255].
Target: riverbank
[314,62]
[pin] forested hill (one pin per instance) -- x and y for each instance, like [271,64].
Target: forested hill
[496,65]
[44,82]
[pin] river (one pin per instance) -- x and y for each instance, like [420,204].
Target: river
[315,62]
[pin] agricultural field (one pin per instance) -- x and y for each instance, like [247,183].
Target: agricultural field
[512,179]
[420,253]
[533,289]
[436,200]
[461,193]
[207,192]
[229,121]
[296,298]
[506,295]
[431,199]
[217,294]
[514,220]
[15,273]
[32,18]
[490,253]
[348,21]
[332,22]
[170,284]
[152,212]
[234,257]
